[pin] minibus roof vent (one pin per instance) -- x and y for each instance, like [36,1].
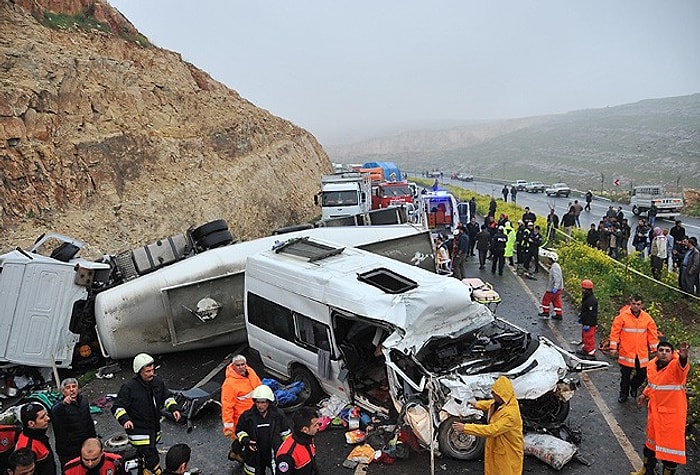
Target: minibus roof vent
[304,247]
[387,280]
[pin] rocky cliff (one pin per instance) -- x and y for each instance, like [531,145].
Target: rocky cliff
[114,141]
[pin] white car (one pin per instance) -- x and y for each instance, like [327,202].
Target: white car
[558,189]
[519,185]
[535,187]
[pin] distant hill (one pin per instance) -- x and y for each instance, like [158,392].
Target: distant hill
[654,140]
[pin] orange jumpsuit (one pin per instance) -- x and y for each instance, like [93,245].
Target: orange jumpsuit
[235,396]
[635,336]
[668,408]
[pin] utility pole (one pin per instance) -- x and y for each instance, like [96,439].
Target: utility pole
[602,181]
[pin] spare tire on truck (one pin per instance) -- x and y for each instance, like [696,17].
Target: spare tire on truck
[211,227]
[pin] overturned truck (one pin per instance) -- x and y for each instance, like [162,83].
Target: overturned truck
[180,293]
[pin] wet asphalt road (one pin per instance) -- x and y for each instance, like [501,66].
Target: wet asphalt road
[595,412]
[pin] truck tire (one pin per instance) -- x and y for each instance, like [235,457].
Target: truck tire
[635,210]
[216,239]
[211,227]
[300,373]
[458,445]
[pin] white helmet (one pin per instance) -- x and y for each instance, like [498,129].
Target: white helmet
[263,392]
[141,361]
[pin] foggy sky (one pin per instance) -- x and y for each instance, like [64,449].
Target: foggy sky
[350,69]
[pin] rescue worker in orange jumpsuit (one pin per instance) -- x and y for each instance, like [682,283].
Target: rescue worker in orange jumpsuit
[667,409]
[505,447]
[632,336]
[240,381]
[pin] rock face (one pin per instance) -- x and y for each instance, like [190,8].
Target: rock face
[118,144]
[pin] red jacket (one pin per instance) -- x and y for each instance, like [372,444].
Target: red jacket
[111,464]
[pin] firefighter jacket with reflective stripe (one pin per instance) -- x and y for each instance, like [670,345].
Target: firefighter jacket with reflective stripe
[38,442]
[140,402]
[111,464]
[296,456]
[633,337]
[253,426]
[668,408]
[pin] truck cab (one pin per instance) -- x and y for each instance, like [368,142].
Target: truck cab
[344,194]
[391,193]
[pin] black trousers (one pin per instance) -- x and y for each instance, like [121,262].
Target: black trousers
[627,381]
[498,259]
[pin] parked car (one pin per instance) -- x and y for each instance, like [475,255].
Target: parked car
[519,185]
[465,177]
[535,187]
[558,189]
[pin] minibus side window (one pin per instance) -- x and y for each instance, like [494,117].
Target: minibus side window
[270,317]
[313,333]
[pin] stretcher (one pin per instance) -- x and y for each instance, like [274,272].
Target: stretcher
[483,292]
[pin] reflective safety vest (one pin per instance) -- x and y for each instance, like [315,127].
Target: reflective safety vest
[633,337]
[668,407]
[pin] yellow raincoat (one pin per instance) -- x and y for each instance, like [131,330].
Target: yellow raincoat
[504,432]
[510,243]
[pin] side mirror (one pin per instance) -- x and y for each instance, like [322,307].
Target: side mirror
[316,199]
[363,197]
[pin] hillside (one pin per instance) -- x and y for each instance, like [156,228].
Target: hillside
[114,141]
[652,140]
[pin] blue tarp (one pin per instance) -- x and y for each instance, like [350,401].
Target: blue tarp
[389,169]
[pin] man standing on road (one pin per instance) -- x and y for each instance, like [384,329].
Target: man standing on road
[35,423]
[632,335]
[555,286]
[137,408]
[667,409]
[260,431]
[535,243]
[483,241]
[460,249]
[472,231]
[588,318]
[72,422]
[577,212]
[498,249]
[504,192]
[240,381]
[678,233]
[505,447]
[589,198]
[297,454]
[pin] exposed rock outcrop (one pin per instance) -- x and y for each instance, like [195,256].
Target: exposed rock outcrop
[118,144]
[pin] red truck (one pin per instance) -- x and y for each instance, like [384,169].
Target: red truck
[391,193]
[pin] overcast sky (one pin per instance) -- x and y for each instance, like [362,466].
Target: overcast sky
[348,69]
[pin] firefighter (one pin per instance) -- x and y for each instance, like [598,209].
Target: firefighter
[632,335]
[260,431]
[667,409]
[588,318]
[137,408]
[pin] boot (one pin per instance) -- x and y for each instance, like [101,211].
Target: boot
[647,469]
[669,471]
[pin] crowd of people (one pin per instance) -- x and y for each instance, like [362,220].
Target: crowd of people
[494,239]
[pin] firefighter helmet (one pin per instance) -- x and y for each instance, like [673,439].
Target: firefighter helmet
[262,392]
[141,361]
[587,284]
